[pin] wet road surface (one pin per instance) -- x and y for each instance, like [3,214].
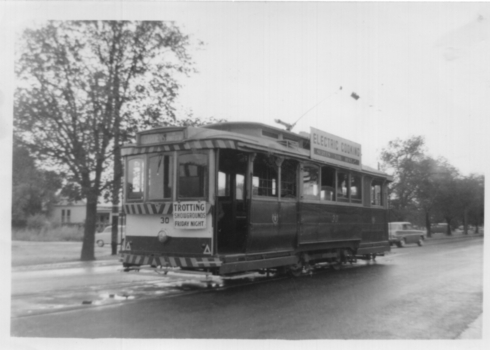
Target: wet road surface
[429,292]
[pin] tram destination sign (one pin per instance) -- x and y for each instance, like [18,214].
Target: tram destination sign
[333,149]
[149,139]
[189,215]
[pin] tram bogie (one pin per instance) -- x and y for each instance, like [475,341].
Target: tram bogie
[232,198]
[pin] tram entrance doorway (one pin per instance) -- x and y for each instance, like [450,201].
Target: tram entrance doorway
[232,208]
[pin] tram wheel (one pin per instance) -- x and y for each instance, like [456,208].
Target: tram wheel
[296,270]
[300,269]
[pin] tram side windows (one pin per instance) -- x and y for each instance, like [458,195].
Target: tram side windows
[377,193]
[265,176]
[223,184]
[160,177]
[239,187]
[342,187]
[192,175]
[311,182]
[135,179]
[327,192]
[289,173]
[355,188]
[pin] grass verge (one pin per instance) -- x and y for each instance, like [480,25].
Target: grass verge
[57,234]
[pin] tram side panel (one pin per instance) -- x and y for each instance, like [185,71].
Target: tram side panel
[375,220]
[322,223]
[375,233]
[273,226]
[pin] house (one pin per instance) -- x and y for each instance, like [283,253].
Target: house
[71,213]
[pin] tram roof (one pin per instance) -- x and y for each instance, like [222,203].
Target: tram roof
[254,136]
[233,126]
[303,137]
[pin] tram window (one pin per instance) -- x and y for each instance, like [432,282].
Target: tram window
[376,193]
[193,169]
[289,172]
[355,188]
[311,182]
[223,184]
[264,180]
[342,186]
[160,177]
[135,183]
[327,192]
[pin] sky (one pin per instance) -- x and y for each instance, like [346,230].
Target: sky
[419,68]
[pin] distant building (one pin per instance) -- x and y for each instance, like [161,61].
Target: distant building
[74,213]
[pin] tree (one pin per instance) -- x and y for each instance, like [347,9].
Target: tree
[446,193]
[402,159]
[33,190]
[432,184]
[86,87]
[427,189]
[477,210]
[471,193]
[422,183]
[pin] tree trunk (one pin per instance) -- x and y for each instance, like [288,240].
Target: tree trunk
[117,154]
[114,230]
[90,227]
[115,192]
[448,232]
[427,223]
[465,221]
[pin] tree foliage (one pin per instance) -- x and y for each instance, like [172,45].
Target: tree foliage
[402,159]
[33,189]
[461,198]
[430,186]
[81,83]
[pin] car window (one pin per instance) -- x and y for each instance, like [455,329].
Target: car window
[407,227]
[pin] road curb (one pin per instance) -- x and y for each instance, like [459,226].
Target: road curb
[69,264]
[455,235]
[474,330]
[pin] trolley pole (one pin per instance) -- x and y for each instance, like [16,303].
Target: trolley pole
[115,229]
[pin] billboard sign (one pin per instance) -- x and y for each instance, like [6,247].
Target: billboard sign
[333,149]
[189,215]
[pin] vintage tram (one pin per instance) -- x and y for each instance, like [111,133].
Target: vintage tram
[236,197]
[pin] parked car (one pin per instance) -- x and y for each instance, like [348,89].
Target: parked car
[402,233]
[439,228]
[104,237]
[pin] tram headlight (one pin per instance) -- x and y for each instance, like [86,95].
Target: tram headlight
[163,236]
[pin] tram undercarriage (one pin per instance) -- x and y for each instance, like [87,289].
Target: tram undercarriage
[293,264]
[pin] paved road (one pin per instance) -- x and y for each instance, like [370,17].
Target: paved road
[430,292]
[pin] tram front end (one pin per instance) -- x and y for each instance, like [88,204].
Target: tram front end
[168,202]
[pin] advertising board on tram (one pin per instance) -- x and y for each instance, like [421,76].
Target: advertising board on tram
[189,215]
[334,149]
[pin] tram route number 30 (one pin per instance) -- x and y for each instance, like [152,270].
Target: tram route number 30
[164,219]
